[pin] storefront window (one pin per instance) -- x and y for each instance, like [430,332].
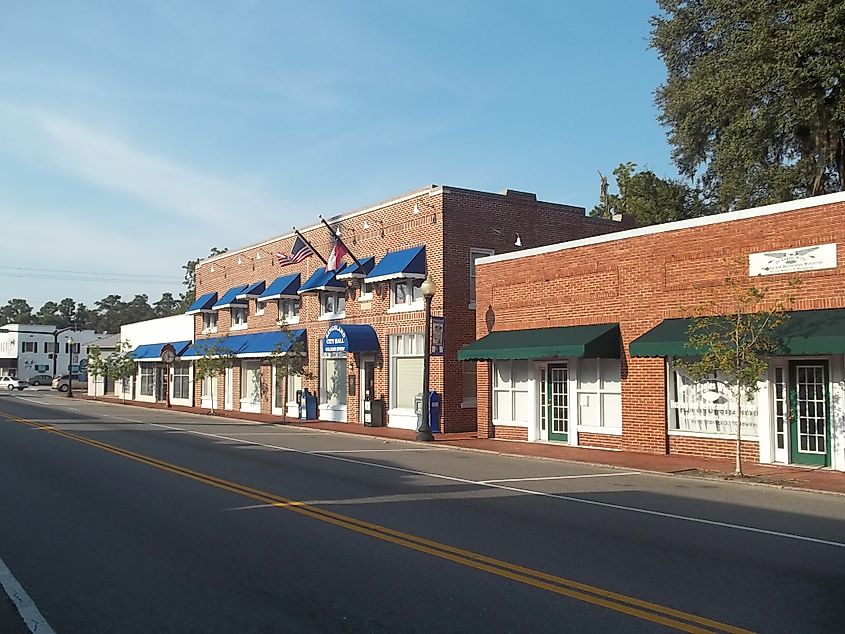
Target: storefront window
[600,393]
[182,380]
[294,383]
[510,391]
[406,369]
[333,379]
[708,406]
[147,379]
[468,383]
[250,382]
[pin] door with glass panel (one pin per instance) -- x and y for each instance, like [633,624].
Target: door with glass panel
[557,401]
[809,413]
[228,388]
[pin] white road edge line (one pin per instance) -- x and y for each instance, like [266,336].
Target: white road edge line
[556,496]
[334,451]
[26,607]
[566,477]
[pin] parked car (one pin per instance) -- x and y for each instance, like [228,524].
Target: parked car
[40,379]
[11,383]
[61,383]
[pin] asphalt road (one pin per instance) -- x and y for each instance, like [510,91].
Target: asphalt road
[121,519]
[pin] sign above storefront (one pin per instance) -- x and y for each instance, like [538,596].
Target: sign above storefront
[814,258]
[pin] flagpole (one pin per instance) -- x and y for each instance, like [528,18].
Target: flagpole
[337,237]
[305,240]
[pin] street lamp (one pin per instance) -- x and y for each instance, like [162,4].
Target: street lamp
[70,367]
[428,289]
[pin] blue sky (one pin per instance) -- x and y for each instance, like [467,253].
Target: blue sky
[137,135]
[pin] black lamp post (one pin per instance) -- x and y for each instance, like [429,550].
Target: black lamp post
[56,334]
[70,367]
[428,289]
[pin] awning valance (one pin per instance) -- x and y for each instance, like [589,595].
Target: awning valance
[596,341]
[152,351]
[286,286]
[253,290]
[203,304]
[350,338]
[322,280]
[231,298]
[256,345]
[802,332]
[353,271]
[405,264]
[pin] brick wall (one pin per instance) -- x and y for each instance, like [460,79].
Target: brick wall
[640,281]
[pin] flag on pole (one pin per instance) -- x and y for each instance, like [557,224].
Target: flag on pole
[336,256]
[299,252]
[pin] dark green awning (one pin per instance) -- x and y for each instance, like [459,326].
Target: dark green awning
[803,332]
[543,343]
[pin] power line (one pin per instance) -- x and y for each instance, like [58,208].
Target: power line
[110,273]
[90,279]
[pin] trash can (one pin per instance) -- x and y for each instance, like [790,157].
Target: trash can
[434,411]
[376,413]
[310,406]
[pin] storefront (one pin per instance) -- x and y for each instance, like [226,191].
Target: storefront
[157,381]
[346,346]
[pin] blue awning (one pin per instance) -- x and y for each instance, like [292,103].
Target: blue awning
[203,304]
[285,286]
[405,264]
[152,351]
[256,345]
[352,270]
[253,290]
[231,298]
[322,280]
[350,338]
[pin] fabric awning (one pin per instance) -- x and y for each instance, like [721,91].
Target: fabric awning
[256,345]
[253,290]
[803,332]
[230,298]
[203,304]
[350,338]
[588,342]
[353,271]
[322,280]
[286,286]
[405,264]
[152,351]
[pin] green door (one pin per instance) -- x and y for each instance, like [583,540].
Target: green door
[557,402]
[809,404]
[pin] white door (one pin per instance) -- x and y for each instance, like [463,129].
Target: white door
[228,389]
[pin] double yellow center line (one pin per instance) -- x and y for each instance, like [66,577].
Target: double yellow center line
[631,606]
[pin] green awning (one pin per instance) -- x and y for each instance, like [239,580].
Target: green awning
[544,343]
[803,332]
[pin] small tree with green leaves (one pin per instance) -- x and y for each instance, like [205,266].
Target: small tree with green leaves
[736,344]
[96,365]
[120,365]
[289,360]
[216,357]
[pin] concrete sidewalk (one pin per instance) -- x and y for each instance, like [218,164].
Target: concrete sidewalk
[786,476]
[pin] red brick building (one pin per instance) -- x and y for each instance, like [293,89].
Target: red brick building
[374,353]
[576,341]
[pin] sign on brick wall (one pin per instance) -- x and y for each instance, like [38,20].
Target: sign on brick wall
[821,256]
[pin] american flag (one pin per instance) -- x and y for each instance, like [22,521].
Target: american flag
[299,252]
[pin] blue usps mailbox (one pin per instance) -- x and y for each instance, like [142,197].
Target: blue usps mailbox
[434,411]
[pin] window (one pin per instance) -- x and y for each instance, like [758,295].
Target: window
[332,305]
[147,379]
[366,292]
[333,379]
[259,309]
[239,316]
[182,380]
[75,348]
[406,369]
[708,407]
[474,254]
[209,322]
[289,310]
[406,295]
[50,347]
[30,346]
[599,391]
[250,382]
[510,391]
[208,386]
[294,383]
[468,383]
